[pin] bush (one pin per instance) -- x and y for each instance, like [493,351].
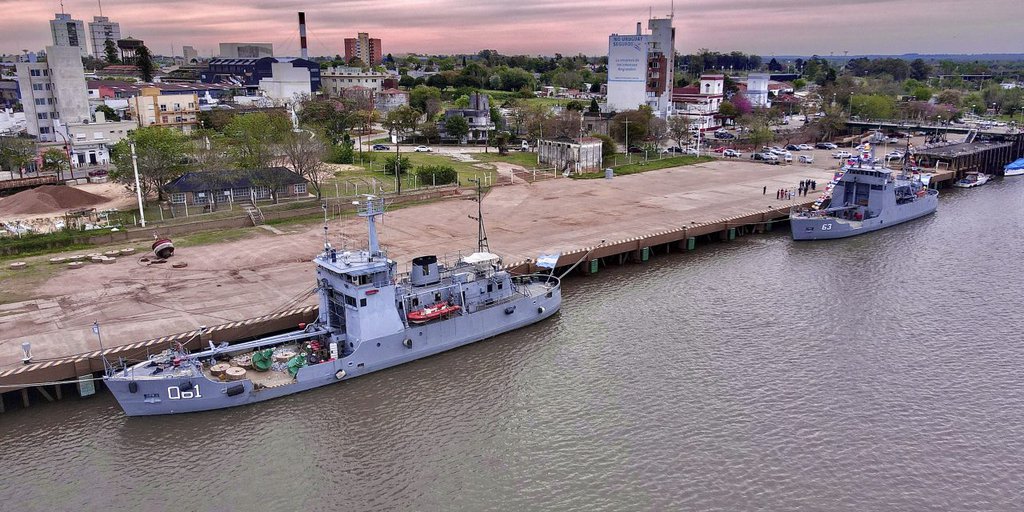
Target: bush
[436,174]
[404,165]
[607,145]
[342,154]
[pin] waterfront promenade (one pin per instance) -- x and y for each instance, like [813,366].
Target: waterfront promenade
[266,272]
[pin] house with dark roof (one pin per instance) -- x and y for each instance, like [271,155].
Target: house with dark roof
[212,188]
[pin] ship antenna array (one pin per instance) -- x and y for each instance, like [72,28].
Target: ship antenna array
[327,244]
[481,232]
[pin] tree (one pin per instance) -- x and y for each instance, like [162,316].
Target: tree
[110,52]
[832,123]
[305,154]
[873,106]
[406,81]
[16,153]
[799,83]
[456,127]
[56,161]
[774,66]
[253,137]
[728,109]
[742,104]
[630,125]
[332,116]
[420,94]
[108,112]
[607,145]
[679,130]
[402,121]
[144,61]
[160,155]
[437,174]
[657,130]
[576,105]
[594,107]
[920,70]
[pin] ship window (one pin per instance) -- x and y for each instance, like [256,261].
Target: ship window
[351,301]
[490,287]
[415,301]
[362,303]
[501,285]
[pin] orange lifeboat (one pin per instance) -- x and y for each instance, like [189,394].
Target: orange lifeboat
[432,312]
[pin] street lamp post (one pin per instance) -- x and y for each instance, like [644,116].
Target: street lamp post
[629,157]
[138,186]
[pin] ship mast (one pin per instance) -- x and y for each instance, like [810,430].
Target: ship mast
[481,233]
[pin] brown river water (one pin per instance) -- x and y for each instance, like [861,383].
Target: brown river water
[882,372]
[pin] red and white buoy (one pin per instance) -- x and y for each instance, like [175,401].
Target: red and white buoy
[163,248]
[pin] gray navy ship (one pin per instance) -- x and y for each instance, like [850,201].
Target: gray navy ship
[370,318]
[863,197]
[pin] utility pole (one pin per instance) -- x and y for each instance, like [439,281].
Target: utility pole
[138,185]
[629,157]
[398,160]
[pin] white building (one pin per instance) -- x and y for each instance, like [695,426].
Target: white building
[246,50]
[390,99]
[700,104]
[286,82]
[336,79]
[54,91]
[641,68]
[91,141]
[757,89]
[190,54]
[101,30]
[68,32]
[661,63]
[570,155]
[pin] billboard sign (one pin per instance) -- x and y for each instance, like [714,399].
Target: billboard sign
[627,58]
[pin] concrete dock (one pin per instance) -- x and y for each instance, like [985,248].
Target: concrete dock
[271,274]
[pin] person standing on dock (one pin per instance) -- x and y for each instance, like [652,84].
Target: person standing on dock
[765,191]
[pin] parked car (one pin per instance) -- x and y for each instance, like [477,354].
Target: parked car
[805,147]
[422,149]
[674,149]
[636,149]
[807,159]
[766,157]
[825,145]
[724,135]
[787,157]
[97,173]
[731,153]
[380,147]
[842,154]
[777,151]
[719,149]
[894,155]
[792,147]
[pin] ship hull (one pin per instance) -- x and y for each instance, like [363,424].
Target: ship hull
[156,396]
[830,228]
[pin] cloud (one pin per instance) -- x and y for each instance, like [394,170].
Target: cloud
[544,26]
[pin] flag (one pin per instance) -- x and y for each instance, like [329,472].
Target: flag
[548,260]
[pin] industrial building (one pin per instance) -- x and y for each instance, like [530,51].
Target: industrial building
[249,72]
[246,50]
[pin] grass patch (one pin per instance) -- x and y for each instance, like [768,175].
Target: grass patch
[524,159]
[216,237]
[653,165]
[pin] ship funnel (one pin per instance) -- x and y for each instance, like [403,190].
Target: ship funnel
[424,271]
[302,35]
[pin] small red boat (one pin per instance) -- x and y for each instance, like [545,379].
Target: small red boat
[432,312]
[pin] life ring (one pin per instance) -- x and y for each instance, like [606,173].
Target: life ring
[407,343]
[340,374]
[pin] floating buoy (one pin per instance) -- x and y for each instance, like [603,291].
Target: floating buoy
[235,373]
[218,369]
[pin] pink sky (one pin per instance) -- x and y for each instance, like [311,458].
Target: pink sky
[764,27]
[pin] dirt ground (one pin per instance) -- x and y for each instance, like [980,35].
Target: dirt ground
[246,278]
